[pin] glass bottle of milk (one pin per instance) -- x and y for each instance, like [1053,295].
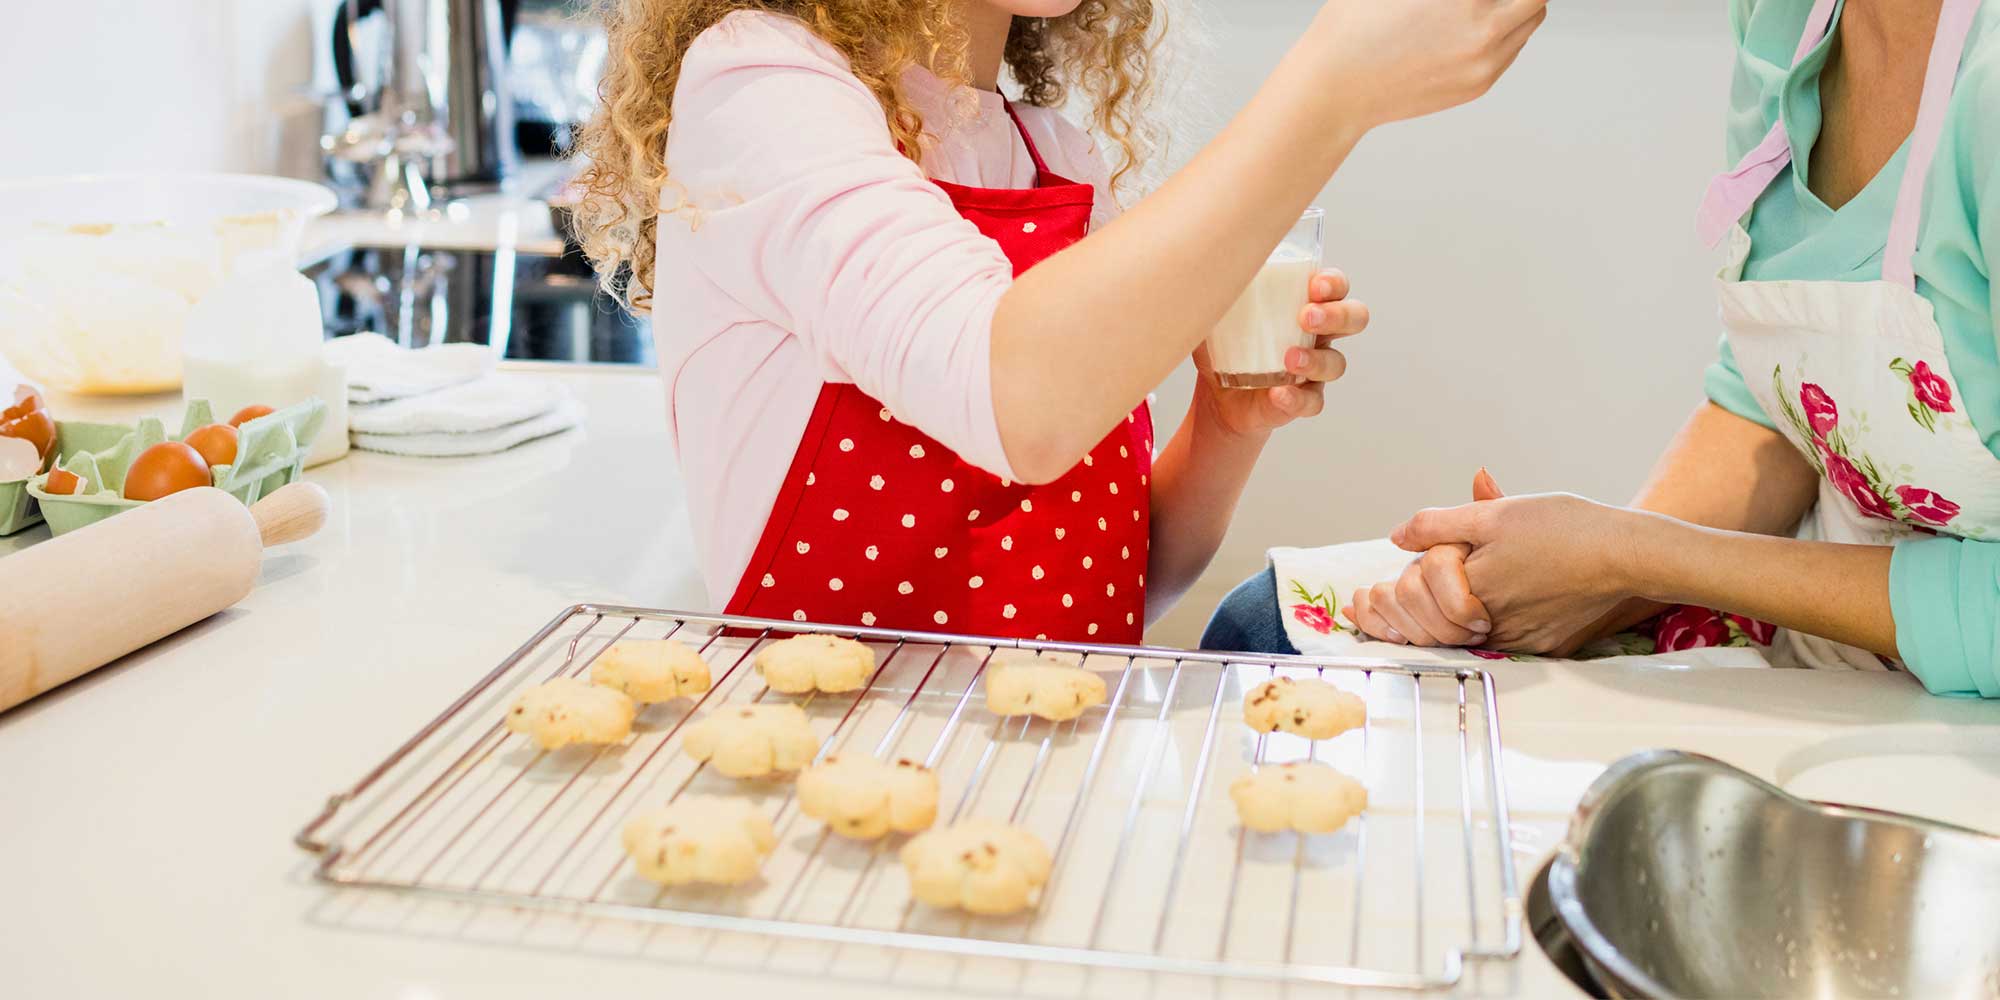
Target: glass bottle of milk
[1247,349]
[258,339]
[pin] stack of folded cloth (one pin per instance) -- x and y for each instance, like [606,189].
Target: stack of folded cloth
[445,399]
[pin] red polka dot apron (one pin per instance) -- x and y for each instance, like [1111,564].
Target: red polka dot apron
[1854,372]
[879,524]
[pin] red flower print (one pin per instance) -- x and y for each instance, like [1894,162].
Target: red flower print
[1927,506]
[1931,388]
[1760,633]
[1313,617]
[1487,654]
[1820,411]
[1854,486]
[1689,627]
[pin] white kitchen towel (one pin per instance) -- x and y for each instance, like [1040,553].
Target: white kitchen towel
[1315,585]
[379,369]
[567,413]
[494,401]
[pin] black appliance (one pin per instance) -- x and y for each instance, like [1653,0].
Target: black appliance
[537,307]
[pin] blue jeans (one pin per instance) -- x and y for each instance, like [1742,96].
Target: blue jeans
[1248,620]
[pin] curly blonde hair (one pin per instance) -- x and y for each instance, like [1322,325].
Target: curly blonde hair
[1103,51]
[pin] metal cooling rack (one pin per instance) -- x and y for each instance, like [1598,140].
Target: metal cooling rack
[1151,871]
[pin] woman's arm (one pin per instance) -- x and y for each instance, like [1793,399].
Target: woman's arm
[1125,306]
[1721,471]
[1932,602]
[1536,559]
[1840,592]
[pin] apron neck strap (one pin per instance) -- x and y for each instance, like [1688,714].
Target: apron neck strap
[1731,193]
[1041,167]
[1818,23]
[1940,79]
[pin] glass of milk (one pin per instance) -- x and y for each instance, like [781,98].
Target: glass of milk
[1247,349]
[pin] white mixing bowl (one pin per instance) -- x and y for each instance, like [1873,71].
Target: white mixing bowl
[98,272]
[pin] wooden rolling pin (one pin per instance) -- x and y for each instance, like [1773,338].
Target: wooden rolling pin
[75,603]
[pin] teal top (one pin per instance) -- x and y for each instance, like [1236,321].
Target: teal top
[1944,592]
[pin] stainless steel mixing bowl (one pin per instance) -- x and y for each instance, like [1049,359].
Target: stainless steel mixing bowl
[1684,877]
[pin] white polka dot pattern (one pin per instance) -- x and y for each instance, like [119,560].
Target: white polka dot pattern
[1009,567]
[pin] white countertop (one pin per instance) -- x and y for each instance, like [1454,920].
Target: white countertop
[146,843]
[512,218]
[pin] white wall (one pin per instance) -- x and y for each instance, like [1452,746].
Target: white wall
[1541,304]
[157,84]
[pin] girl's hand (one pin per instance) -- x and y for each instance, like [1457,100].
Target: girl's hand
[1431,603]
[1414,57]
[1548,567]
[1328,315]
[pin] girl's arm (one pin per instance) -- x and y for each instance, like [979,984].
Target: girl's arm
[1199,476]
[1079,340]
[788,206]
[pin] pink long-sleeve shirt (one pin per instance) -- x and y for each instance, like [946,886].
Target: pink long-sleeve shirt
[797,246]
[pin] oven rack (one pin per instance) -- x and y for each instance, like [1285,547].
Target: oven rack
[1151,871]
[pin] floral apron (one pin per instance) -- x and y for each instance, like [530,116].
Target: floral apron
[879,524]
[1854,373]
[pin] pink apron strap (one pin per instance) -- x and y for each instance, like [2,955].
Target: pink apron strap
[1954,24]
[1731,194]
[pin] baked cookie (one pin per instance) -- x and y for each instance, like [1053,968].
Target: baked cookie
[1020,684]
[1312,708]
[570,710]
[750,741]
[1307,797]
[865,797]
[815,663]
[651,670]
[979,866]
[700,839]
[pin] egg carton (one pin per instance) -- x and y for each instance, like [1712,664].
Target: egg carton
[270,452]
[18,510]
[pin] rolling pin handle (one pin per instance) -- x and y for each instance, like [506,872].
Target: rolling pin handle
[292,512]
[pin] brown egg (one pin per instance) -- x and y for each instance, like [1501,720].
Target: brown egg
[247,414]
[33,426]
[167,467]
[64,483]
[216,442]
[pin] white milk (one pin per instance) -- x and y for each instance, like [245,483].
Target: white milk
[1248,347]
[257,339]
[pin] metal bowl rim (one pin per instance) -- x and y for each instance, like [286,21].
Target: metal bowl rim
[1618,779]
